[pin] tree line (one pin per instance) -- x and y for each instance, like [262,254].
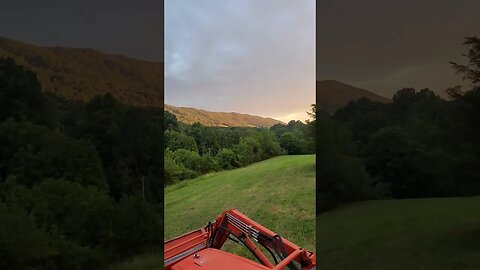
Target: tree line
[418,145]
[194,150]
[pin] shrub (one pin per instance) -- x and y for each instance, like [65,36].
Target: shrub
[175,140]
[227,159]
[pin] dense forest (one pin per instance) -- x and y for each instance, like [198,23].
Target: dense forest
[418,145]
[193,150]
[80,183]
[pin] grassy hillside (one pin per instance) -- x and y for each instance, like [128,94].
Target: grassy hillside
[333,95]
[80,74]
[221,119]
[424,234]
[278,193]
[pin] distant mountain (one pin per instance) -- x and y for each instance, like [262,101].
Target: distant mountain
[80,74]
[332,95]
[222,119]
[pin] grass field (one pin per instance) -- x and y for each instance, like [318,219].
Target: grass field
[279,193]
[424,234]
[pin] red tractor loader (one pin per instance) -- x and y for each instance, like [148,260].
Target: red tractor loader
[200,249]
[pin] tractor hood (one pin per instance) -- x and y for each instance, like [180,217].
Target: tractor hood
[214,259]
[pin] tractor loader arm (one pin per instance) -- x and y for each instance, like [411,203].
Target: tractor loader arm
[200,249]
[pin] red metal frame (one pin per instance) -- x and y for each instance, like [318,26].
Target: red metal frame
[201,247]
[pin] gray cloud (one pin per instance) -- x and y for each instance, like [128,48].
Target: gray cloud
[386,45]
[247,56]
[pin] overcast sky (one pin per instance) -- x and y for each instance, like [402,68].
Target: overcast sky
[131,28]
[247,56]
[383,46]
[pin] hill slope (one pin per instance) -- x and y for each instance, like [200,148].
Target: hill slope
[278,193]
[80,74]
[332,95]
[222,119]
[423,234]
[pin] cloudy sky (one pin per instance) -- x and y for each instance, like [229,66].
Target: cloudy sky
[131,28]
[383,46]
[248,56]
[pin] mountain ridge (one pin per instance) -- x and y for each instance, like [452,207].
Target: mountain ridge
[332,95]
[82,73]
[189,115]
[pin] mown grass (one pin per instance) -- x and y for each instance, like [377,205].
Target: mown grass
[401,234]
[278,193]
